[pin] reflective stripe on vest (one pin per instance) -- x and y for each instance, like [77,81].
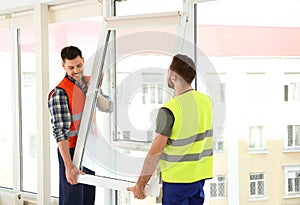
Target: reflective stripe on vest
[188,155]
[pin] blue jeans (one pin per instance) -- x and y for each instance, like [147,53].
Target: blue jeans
[79,194]
[183,193]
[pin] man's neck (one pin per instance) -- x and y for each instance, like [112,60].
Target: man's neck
[181,90]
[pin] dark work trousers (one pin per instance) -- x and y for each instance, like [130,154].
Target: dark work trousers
[183,193]
[79,194]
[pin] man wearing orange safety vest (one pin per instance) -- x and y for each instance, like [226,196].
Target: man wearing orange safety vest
[65,103]
[183,145]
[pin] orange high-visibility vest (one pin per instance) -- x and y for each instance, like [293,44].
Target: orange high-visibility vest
[76,100]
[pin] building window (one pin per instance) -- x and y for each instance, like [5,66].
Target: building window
[257,185]
[124,135]
[292,181]
[256,137]
[218,187]
[219,144]
[218,139]
[292,92]
[223,92]
[150,136]
[293,140]
[152,88]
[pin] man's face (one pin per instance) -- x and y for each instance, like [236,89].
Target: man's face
[74,67]
[170,83]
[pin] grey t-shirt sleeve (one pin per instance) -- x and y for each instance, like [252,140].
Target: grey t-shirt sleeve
[164,121]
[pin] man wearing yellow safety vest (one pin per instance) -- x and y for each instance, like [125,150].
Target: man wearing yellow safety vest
[65,103]
[183,145]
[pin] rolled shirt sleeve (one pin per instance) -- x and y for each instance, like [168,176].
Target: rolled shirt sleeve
[164,122]
[60,114]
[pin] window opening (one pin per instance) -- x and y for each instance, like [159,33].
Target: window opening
[257,185]
[256,137]
[293,140]
[218,187]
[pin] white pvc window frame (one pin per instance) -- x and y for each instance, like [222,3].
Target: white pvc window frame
[115,23]
[185,19]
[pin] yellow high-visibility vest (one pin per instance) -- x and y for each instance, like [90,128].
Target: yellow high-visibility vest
[188,155]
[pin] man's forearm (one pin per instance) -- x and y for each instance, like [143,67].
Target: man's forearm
[64,150]
[152,159]
[71,171]
[149,167]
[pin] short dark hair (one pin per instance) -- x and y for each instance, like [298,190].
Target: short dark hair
[184,66]
[70,52]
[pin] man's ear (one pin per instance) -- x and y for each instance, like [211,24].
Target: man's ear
[173,77]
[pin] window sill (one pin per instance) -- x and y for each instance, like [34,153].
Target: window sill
[287,150]
[131,145]
[257,151]
[291,196]
[220,198]
[219,151]
[262,198]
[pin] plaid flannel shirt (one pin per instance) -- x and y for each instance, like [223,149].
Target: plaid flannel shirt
[60,114]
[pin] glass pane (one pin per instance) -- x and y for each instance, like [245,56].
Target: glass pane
[256,138]
[101,156]
[297,185]
[6,122]
[132,120]
[290,185]
[84,34]
[297,92]
[286,92]
[145,85]
[297,135]
[252,188]
[152,94]
[240,44]
[260,188]
[221,189]
[290,135]
[213,190]
[160,94]
[292,92]
[28,98]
